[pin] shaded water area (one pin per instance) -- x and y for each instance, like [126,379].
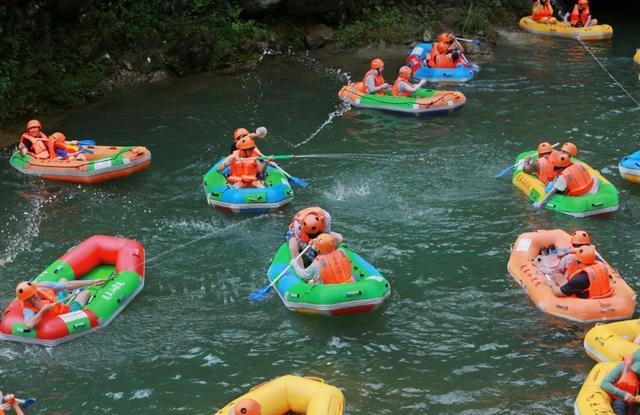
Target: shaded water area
[417,198]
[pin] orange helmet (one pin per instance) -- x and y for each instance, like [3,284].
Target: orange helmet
[570,149]
[245,143]
[247,406]
[312,224]
[59,137]
[377,63]
[239,133]
[325,243]
[404,72]
[34,123]
[559,159]
[25,290]
[445,37]
[586,254]
[544,148]
[580,238]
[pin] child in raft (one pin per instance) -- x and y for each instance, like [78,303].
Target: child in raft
[244,167]
[580,16]
[261,132]
[330,266]
[542,12]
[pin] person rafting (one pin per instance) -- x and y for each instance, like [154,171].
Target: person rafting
[568,260]
[445,52]
[574,179]
[64,149]
[542,12]
[402,86]
[591,279]
[373,82]
[305,226]
[622,383]
[245,169]
[580,16]
[541,167]
[239,133]
[330,266]
[246,406]
[49,297]
[11,402]
[35,142]
[570,149]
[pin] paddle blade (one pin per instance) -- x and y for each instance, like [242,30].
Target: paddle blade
[86,142]
[27,403]
[505,171]
[300,182]
[258,295]
[476,42]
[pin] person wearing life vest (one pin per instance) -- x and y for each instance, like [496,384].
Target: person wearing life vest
[622,383]
[35,142]
[373,82]
[47,298]
[445,52]
[402,87]
[590,279]
[246,406]
[541,167]
[64,149]
[574,179]
[569,263]
[542,12]
[11,402]
[580,16]
[244,169]
[305,226]
[239,133]
[570,149]
[330,266]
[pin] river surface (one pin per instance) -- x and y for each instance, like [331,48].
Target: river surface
[417,197]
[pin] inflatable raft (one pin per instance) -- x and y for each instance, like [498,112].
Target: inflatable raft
[369,291]
[426,101]
[463,71]
[119,260]
[523,267]
[276,193]
[293,394]
[591,399]
[605,201]
[611,342]
[602,31]
[103,163]
[629,167]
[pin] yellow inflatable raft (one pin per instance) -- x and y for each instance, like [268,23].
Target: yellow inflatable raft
[591,399]
[636,57]
[611,342]
[301,395]
[601,31]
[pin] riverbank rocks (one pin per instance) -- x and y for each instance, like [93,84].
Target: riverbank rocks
[317,35]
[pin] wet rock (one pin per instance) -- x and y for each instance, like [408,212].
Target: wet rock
[159,76]
[318,35]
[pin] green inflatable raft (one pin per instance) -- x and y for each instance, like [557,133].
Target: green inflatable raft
[369,291]
[605,201]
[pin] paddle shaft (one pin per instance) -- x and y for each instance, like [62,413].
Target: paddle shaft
[284,271]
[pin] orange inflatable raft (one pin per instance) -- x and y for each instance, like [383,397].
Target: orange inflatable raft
[102,163]
[524,267]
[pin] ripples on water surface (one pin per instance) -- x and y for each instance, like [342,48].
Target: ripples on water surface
[418,199]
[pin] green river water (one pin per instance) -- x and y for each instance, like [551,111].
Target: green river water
[417,198]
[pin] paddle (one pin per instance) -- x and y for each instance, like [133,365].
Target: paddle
[87,142]
[264,290]
[474,41]
[111,277]
[513,166]
[300,182]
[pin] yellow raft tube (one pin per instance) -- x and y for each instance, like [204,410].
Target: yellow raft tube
[301,395]
[636,57]
[611,342]
[597,32]
[591,399]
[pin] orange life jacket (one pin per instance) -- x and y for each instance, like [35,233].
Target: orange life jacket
[379,80]
[396,91]
[47,295]
[599,281]
[579,180]
[579,19]
[541,10]
[335,268]
[41,146]
[574,266]
[628,381]
[443,60]
[243,170]
[299,217]
[545,170]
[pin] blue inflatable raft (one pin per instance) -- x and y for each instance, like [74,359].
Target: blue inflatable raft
[463,71]
[629,167]
[276,193]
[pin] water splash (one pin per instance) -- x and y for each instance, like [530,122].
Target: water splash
[28,230]
[344,107]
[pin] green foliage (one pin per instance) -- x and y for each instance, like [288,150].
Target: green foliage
[476,19]
[379,23]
